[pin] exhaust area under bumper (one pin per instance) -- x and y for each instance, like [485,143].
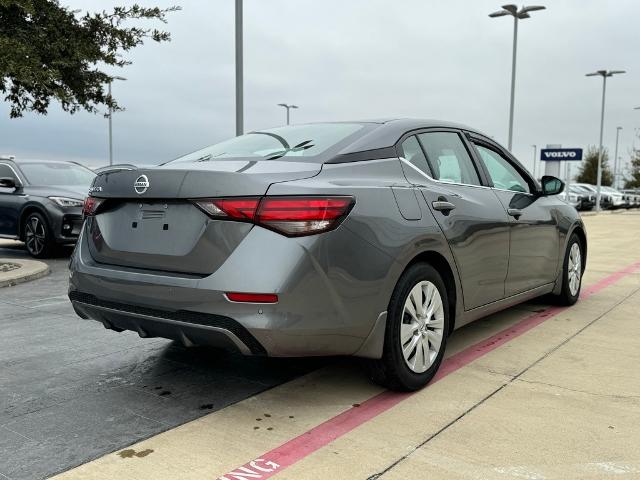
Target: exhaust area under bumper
[190,328]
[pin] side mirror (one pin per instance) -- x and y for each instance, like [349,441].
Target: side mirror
[551,185]
[7,182]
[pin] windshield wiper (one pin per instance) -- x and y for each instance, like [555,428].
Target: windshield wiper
[297,148]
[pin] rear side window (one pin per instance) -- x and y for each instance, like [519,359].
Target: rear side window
[449,158]
[412,152]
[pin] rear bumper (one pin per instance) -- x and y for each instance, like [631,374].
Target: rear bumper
[327,304]
[190,328]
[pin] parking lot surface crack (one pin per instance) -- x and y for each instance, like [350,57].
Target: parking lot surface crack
[586,392]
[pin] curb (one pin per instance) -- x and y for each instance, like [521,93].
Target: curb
[29,270]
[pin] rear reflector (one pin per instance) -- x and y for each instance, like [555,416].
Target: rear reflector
[91,205]
[252,297]
[290,215]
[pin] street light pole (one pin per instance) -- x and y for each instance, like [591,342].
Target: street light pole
[110,114]
[615,159]
[535,148]
[110,130]
[239,72]
[517,15]
[604,74]
[288,107]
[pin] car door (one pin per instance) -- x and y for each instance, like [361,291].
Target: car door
[10,203]
[535,241]
[470,216]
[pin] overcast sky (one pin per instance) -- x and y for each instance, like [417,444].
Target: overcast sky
[357,59]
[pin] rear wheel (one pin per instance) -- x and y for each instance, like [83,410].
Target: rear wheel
[571,272]
[37,236]
[416,333]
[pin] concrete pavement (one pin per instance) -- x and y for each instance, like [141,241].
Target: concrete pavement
[561,399]
[19,271]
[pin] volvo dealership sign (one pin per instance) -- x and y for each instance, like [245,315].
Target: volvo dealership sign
[560,154]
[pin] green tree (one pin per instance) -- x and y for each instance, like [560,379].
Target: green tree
[634,181]
[49,52]
[589,168]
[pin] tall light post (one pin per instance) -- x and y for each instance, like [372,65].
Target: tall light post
[517,15]
[110,114]
[535,149]
[288,107]
[239,72]
[615,159]
[604,74]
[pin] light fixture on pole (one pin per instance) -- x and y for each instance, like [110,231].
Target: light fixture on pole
[110,114]
[615,159]
[517,15]
[239,72]
[288,107]
[604,74]
[535,148]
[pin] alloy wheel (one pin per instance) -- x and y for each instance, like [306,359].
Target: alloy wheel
[422,326]
[35,235]
[575,269]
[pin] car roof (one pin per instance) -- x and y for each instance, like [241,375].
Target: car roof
[390,130]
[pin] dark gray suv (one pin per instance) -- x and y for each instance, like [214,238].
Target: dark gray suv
[372,239]
[41,202]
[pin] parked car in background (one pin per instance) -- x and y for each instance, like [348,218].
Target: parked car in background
[587,199]
[571,198]
[634,196]
[372,239]
[606,202]
[618,199]
[41,202]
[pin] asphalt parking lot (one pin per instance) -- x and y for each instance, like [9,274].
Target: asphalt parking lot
[70,391]
[533,392]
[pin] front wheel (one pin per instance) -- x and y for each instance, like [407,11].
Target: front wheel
[416,333]
[571,272]
[37,236]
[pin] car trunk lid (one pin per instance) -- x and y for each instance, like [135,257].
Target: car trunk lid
[148,221]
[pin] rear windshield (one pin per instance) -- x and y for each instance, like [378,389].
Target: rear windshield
[51,173]
[297,142]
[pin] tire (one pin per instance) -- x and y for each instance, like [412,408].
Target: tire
[37,236]
[571,272]
[393,370]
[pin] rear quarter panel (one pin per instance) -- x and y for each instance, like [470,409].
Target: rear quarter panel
[362,276]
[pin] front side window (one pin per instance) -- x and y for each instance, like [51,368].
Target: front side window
[294,142]
[412,152]
[449,158]
[503,175]
[7,172]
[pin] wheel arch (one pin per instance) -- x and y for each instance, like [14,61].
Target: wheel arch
[26,211]
[582,235]
[443,267]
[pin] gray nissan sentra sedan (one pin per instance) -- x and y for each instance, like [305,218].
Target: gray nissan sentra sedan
[373,239]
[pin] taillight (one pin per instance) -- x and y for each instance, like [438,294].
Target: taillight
[231,208]
[290,215]
[303,215]
[90,206]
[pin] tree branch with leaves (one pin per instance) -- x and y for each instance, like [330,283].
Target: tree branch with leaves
[50,52]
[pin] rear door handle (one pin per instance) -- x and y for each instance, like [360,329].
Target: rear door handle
[514,212]
[443,206]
